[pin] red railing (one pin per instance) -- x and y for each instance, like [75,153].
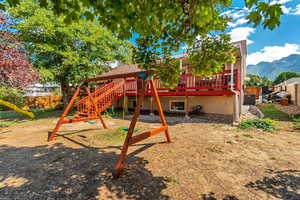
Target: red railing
[190,84]
[103,97]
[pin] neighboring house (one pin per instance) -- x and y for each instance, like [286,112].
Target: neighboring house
[39,89]
[221,94]
[291,81]
[292,86]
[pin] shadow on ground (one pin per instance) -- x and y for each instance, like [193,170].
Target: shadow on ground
[211,196]
[179,119]
[280,184]
[59,172]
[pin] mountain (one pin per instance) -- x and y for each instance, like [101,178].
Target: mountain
[273,69]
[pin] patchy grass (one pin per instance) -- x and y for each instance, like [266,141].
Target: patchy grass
[112,136]
[262,124]
[248,135]
[215,149]
[10,118]
[296,122]
[170,179]
[271,112]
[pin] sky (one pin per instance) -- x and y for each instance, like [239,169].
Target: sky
[264,44]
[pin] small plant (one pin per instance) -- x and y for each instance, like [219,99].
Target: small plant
[231,142]
[170,179]
[296,120]
[248,136]
[215,149]
[263,124]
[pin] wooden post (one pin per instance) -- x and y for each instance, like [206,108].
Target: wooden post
[124,98]
[65,113]
[120,163]
[151,106]
[159,108]
[96,107]
[186,105]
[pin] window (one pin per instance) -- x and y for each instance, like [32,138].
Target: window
[177,106]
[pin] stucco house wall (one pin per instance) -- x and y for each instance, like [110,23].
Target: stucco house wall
[210,104]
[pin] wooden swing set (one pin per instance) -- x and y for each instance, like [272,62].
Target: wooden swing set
[91,106]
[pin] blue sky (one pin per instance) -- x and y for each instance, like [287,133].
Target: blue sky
[263,44]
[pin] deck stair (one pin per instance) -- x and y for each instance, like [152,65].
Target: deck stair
[103,97]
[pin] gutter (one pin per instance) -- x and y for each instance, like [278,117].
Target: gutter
[236,116]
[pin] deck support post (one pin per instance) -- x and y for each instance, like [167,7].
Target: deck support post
[186,107]
[151,106]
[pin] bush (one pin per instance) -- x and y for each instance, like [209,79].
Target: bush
[296,120]
[11,95]
[263,124]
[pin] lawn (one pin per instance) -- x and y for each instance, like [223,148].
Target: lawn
[10,118]
[271,112]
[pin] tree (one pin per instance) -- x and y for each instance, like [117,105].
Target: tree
[255,80]
[266,82]
[285,76]
[15,69]
[66,53]
[162,27]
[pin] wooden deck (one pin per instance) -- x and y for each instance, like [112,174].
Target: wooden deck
[190,85]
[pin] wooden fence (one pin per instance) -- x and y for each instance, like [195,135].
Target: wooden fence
[43,102]
[253,90]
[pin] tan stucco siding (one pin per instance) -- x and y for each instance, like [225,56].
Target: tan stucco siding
[210,104]
[291,90]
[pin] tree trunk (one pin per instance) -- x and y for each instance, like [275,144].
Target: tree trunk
[65,91]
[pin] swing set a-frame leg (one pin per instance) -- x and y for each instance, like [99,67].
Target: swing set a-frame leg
[61,120]
[131,140]
[120,163]
[65,113]
[160,110]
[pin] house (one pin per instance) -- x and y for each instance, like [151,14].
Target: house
[292,86]
[222,94]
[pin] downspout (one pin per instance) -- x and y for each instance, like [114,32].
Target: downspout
[236,116]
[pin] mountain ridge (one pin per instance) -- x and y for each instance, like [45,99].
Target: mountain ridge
[271,70]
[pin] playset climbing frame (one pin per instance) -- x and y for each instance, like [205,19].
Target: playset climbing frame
[93,104]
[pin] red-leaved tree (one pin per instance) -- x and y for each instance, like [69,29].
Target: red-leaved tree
[15,69]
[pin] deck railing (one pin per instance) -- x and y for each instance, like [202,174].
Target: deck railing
[189,83]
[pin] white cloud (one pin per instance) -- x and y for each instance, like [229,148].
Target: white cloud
[296,11]
[272,53]
[241,33]
[237,22]
[280,1]
[286,10]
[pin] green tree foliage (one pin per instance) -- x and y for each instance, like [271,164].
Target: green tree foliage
[66,53]
[162,27]
[209,54]
[255,80]
[285,76]
[13,95]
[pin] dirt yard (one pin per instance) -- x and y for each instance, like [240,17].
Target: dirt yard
[205,161]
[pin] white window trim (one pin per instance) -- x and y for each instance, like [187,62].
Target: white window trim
[172,101]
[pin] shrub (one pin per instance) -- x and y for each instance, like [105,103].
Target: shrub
[263,124]
[296,120]
[11,95]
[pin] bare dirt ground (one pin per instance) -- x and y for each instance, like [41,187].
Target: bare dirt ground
[205,161]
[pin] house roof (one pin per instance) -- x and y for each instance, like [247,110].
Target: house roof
[122,71]
[132,70]
[291,81]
